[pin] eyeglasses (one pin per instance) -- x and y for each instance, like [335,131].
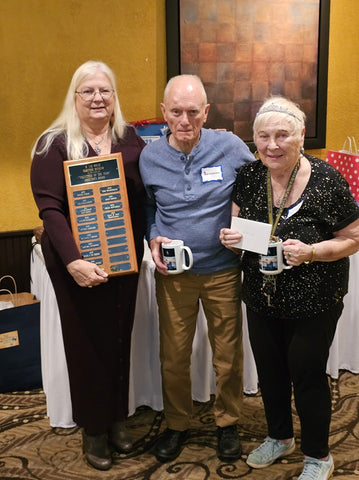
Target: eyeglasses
[89,94]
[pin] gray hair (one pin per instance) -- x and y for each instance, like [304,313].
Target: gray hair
[68,122]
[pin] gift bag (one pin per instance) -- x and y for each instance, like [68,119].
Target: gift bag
[346,161]
[151,130]
[20,360]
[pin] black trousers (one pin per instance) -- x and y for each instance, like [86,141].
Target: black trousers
[291,355]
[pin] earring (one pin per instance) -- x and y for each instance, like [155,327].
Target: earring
[256,155]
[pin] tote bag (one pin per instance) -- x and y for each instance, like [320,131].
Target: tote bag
[20,360]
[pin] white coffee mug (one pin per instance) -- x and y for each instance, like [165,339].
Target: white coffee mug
[273,262]
[175,258]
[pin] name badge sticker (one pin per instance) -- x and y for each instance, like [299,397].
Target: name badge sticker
[294,210]
[212,174]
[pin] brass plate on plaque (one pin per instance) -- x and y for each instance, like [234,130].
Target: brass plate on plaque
[100,213]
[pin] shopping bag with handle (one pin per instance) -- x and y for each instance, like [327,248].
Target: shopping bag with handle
[20,360]
[346,161]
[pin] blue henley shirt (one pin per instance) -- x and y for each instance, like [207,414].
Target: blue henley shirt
[189,196]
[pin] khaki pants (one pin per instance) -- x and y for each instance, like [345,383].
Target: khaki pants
[178,301]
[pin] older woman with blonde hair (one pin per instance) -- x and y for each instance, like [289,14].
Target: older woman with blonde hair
[96,323]
[292,314]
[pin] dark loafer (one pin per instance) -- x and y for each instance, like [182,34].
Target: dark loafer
[229,446]
[120,437]
[169,445]
[97,450]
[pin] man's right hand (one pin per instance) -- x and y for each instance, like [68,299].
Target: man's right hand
[156,251]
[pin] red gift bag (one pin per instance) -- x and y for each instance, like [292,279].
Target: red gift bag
[346,161]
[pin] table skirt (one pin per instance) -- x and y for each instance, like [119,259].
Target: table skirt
[145,375]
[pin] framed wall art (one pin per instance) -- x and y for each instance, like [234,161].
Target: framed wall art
[246,50]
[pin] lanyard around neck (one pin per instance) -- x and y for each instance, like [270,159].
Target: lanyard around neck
[286,194]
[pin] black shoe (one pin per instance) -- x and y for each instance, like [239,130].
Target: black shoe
[96,450]
[229,446]
[169,445]
[120,437]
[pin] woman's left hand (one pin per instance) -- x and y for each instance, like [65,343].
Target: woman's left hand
[296,252]
[86,274]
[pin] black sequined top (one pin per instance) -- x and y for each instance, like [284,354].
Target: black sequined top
[325,206]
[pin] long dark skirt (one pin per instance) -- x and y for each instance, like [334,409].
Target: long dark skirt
[96,325]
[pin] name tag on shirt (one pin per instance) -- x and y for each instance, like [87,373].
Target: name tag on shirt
[294,209]
[212,174]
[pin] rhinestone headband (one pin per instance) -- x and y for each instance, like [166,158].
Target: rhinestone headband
[273,107]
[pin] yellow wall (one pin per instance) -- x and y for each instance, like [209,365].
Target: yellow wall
[343,80]
[44,41]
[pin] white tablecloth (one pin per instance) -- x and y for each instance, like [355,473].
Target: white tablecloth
[55,380]
[145,376]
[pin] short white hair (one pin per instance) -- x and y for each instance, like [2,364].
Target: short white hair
[194,78]
[274,108]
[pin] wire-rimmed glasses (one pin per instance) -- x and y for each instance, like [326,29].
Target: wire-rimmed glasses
[88,94]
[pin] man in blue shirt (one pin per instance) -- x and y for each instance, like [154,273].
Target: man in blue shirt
[189,175]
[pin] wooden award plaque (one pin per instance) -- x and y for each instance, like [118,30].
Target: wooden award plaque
[100,214]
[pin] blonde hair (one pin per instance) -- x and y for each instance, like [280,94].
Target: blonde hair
[274,108]
[68,121]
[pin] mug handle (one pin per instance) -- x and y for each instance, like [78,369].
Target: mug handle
[285,265]
[190,257]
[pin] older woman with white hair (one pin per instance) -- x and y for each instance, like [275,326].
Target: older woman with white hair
[96,323]
[292,313]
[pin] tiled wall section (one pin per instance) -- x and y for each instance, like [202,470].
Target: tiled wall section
[246,50]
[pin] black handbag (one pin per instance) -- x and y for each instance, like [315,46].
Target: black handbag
[20,359]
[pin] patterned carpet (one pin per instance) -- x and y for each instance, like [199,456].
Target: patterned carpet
[30,449]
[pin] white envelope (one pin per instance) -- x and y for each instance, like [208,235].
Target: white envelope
[256,235]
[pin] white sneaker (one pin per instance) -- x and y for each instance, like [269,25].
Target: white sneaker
[268,452]
[315,469]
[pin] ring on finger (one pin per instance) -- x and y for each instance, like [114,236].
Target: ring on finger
[289,254]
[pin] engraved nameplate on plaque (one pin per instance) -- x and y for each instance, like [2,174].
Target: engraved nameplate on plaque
[100,214]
